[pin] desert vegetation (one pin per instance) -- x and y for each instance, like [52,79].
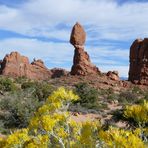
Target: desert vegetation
[38,114]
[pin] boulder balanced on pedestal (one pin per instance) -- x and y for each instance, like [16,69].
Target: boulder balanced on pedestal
[81,61]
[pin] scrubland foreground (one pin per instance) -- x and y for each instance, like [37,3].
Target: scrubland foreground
[41,115]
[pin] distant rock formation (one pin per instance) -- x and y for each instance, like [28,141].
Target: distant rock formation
[138,71]
[81,61]
[15,65]
[113,75]
[58,72]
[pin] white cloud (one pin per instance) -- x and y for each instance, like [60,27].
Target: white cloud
[108,19]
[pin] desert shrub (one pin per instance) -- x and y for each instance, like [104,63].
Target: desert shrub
[41,90]
[18,107]
[127,97]
[106,92]
[28,84]
[7,84]
[52,126]
[136,90]
[137,113]
[112,97]
[118,115]
[21,79]
[88,95]
[146,95]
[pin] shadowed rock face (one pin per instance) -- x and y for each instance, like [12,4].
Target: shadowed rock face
[138,72]
[81,61]
[15,65]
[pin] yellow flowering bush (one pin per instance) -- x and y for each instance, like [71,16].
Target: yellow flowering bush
[116,138]
[139,113]
[52,126]
[18,138]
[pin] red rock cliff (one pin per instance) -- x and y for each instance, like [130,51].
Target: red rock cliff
[138,71]
[15,65]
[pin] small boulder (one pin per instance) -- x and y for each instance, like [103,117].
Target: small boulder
[58,72]
[113,75]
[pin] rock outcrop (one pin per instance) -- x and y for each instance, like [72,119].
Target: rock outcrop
[113,75]
[15,65]
[138,71]
[58,72]
[81,61]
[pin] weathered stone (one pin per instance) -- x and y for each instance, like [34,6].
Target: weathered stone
[113,75]
[81,61]
[78,36]
[82,64]
[138,71]
[16,65]
[58,72]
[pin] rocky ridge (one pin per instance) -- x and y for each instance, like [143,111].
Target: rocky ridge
[16,65]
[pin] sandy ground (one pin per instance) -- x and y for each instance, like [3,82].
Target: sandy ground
[78,117]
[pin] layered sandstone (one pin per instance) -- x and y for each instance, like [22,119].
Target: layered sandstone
[138,71]
[81,61]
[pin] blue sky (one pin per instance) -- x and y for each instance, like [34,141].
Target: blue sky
[41,29]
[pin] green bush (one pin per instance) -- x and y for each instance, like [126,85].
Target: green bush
[7,84]
[127,97]
[28,84]
[21,79]
[17,108]
[88,95]
[41,90]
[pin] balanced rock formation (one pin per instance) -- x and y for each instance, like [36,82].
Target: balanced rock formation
[15,65]
[138,71]
[81,61]
[113,75]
